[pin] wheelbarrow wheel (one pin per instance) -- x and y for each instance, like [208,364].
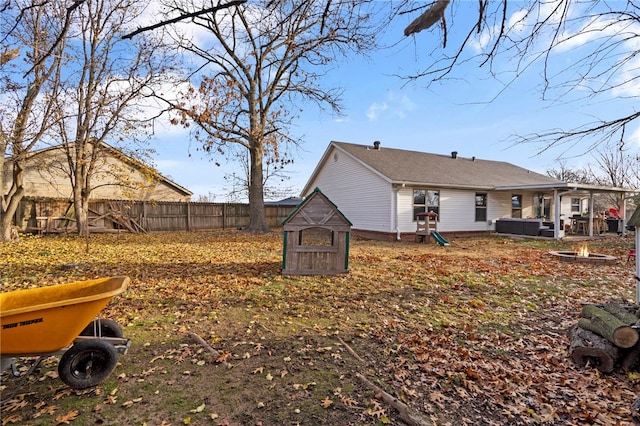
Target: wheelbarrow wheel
[87,363]
[108,328]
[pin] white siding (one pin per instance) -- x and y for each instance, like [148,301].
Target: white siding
[365,198]
[499,206]
[457,210]
[405,210]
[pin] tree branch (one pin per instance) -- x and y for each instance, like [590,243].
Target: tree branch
[182,17]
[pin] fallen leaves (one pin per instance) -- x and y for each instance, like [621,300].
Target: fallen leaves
[326,402]
[67,418]
[471,334]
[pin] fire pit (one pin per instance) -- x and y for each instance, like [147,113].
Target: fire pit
[583,255]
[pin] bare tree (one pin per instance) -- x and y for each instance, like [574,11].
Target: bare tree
[568,174]
[26,111]
[100,92]
[616,166]
[263,59]
[602,37]
[272,171]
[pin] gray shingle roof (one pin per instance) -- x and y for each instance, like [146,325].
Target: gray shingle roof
[400,165]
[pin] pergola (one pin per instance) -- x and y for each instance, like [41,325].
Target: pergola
[574,189]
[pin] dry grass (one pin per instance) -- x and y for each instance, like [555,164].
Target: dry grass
[467,334]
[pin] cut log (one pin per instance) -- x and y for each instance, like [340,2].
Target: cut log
[630,358]
[621,313]
[608,326]
[587,347]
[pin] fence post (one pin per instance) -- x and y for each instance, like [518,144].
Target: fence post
[224,215]
[144,217]
[188,216]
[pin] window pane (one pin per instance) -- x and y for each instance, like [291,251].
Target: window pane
[516,201]
[433,198]
[481,200]
[419,196]
[575,204]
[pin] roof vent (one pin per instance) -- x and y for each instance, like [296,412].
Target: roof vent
[454,154]
[376,145]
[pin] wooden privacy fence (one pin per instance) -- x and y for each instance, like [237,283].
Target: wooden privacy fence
[35,215]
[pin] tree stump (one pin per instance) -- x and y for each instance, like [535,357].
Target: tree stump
[587,347]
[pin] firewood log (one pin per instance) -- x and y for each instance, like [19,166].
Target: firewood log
[608,326]
[619,311]
[630,358]
[587,347]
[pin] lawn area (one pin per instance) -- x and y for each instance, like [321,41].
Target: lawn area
[473,333]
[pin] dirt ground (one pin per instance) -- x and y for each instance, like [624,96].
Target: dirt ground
[470,334]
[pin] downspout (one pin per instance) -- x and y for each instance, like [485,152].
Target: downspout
[396,191]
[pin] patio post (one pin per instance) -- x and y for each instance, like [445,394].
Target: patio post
[591,213]
[556,215]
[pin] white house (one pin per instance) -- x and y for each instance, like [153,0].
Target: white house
[382,190]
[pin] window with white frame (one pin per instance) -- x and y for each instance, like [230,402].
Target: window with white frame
[516,205]
[575,205]
[481,206]
[425,200]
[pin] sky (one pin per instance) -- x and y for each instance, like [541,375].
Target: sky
[473,114]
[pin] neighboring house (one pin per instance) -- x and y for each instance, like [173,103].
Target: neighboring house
[382,190]
[117,177]
[286,202]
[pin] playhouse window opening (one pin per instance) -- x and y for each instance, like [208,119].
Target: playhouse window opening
[316,237]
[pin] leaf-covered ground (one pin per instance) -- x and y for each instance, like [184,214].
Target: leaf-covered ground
[473,333]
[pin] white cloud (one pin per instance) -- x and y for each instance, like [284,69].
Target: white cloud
[635,138]
[397,104]
[375,109]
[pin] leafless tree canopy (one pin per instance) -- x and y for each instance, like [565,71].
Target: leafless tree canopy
[601,36]
[75,82]
[260,62]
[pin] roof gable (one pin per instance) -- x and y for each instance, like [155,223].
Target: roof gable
[316,210]
[121,156]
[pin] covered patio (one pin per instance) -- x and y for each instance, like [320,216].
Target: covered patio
[589,225]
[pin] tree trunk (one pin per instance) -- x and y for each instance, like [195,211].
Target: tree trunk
[10,202]
[608,326]
[257,217]
[587,347]
[82,217]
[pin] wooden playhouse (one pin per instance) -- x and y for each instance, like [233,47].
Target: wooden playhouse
[316,238]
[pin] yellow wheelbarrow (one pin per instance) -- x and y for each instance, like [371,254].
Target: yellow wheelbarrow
[61,320]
